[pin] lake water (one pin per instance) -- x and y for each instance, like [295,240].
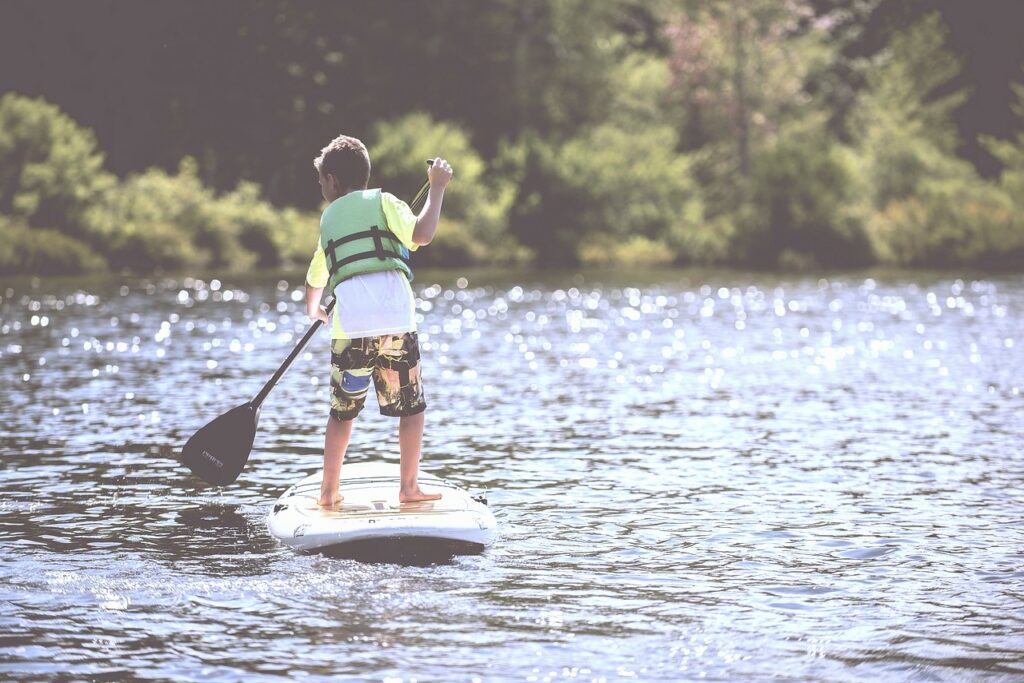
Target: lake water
[697,475]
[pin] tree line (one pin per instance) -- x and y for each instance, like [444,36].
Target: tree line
[757,133]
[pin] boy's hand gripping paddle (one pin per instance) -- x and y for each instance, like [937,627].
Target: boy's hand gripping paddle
[218,452]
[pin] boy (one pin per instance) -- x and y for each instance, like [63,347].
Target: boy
[365,237]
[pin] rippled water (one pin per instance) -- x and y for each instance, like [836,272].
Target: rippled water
[708,475]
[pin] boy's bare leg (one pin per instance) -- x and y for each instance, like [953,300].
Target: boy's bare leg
[335,445]
[410,440]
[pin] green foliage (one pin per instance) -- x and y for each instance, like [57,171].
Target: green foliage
[560,57]
[399,148]
[618,132]
[150,221]
[42,251]
[1010,153]
[740,75]
[276,237]
[903,86]
[544,215]
[803,201]
[476,203]
[950,223]
[929,208]
[618,191]
[633,181]
[740,70]
[633,251]
[50,169]
[904,132]
[154,220]
[605,187]
[716,170]
[642,92]
[713,241]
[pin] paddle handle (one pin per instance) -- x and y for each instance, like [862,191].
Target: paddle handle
[269,386]
[421,195]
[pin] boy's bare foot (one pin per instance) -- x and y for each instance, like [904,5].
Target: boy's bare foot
[332,503]
[416,495]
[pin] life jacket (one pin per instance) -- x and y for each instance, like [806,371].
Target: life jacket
[356,240]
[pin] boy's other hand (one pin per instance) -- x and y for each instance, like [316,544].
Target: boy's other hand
[439,174]
[321,315]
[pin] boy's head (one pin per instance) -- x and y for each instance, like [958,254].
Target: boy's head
[343,166]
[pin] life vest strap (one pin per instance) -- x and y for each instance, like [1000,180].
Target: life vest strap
[374,232]
[338,265]
[379,250]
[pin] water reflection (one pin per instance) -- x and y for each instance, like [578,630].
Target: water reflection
[697,474]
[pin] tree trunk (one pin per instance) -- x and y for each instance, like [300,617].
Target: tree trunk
[740,83]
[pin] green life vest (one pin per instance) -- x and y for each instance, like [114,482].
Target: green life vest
[356,240]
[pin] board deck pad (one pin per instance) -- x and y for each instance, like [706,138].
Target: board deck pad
[370,511]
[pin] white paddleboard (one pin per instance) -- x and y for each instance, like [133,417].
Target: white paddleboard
[370,511]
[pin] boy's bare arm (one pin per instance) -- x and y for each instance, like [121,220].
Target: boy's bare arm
[313,308]
[426,223]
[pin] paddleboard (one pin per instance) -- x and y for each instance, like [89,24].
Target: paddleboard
[370,512]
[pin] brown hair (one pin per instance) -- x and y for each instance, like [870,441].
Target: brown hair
[347,160]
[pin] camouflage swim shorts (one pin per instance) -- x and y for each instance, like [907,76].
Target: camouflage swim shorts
[391,360]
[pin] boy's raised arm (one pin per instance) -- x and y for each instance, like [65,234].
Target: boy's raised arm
[440,174]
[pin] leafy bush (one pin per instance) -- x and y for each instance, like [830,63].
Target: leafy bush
[904,131]
[606,187]
[1010,153]
[154,220]
[908,94]
[545,216]
[803,202]
[50,169]
[634,251]
[898,164]
[930,207]
[473,228]
[276,237]
[950,223]
[617,192]
[712,241]
[40,251]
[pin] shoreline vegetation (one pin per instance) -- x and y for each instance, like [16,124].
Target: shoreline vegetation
[683,159]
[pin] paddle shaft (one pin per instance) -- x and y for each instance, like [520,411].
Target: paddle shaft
[265,391]
[269,386]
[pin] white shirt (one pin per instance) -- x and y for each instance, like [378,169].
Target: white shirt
[374,304]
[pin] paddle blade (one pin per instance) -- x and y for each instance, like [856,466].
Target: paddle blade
[217,452]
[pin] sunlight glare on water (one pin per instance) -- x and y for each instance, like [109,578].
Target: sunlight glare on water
[697,475]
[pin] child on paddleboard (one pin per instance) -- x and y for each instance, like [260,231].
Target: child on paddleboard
[362,255]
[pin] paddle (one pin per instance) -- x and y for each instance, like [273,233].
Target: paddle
[218,452]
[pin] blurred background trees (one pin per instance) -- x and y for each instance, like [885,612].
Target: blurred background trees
[760,133]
